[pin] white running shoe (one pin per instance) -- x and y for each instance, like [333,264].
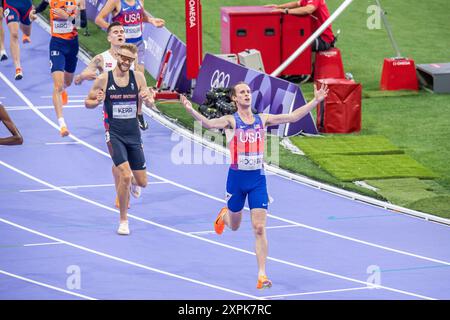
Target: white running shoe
[123,228]
[135,190]
[3,55]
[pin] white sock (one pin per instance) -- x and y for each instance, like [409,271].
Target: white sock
[61,122]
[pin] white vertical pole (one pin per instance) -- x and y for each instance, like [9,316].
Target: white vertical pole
[308,42]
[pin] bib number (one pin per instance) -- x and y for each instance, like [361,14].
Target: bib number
[124,111]
[250,162]
[133,31]
[62,26]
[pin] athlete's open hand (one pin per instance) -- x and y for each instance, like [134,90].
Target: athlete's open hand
[186,103]
[158,22]
[33,15]
[78,80]
[322,93]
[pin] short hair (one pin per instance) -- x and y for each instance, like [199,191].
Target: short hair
[233,88]
[112,25]
[130,47]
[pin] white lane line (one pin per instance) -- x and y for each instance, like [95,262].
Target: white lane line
[59,143]
[41,244]
[45,285]
[82,186]
[203,239]
[273,227]
[20,108]
[317,292]
[129,262]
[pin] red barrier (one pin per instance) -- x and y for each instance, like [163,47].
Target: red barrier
[329,65]
[194,51]
[399,74]
[340,112]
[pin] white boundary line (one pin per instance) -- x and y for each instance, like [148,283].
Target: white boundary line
[45,285]
[316,292]
[274,227]
[129,262]
[27,108]
[189,235]
[83,186]
[54,125]
[61,143]
[41,244]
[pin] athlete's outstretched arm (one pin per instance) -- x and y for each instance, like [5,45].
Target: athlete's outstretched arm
[157,22]
[97,93]
[297,114]
[90,72]
[16,137]
[109,7]
[218,123]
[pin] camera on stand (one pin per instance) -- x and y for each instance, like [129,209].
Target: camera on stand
[217,103]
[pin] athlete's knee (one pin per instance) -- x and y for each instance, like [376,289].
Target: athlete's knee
[14,35]
[58,87]
[125,179]
[259,229]
[235,227]
[142,182]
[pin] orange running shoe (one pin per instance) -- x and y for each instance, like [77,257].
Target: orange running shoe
[64,97]
[19,74]
[263,283]
[118,203]
[26,39]
[219,224]
[63,131]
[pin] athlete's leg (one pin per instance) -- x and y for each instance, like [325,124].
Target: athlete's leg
[3,55]
[139,178]
[123,189]
[26,30]
[232,219]
[231,215]
[68,79]
[258,200]
[13,28]
[259,217]
[116,173]
[58,88]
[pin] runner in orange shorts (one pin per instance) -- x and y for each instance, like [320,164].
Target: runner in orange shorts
[63,49]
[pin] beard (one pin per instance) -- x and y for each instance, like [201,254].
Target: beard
[123,67]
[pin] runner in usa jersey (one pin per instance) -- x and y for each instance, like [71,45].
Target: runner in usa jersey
[246,179]
[131,14]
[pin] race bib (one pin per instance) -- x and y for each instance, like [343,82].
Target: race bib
[62,26]
[133,31]
[250,162]
[124,110]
